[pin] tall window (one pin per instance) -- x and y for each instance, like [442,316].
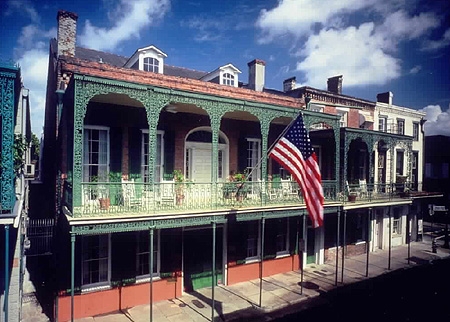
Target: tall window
[397,222]
[401,126]
[95,267]
[143,253]
[146,156]
[252,240]
[416,131]
[282,238]
[399,164]
[343,120]
[151,64]
[382,124]
[253,157]
[95,154]
[228,79]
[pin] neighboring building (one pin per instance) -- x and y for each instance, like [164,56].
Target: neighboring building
[437,169]
[145,157]
[15,146]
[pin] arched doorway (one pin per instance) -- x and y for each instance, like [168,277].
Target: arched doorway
[198,155]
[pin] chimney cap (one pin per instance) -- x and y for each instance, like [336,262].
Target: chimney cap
[257,61]
[335,77]
[66,14]
[290,79]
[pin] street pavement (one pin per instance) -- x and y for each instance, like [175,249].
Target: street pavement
[281,294]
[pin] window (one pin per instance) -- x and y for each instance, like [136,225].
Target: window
[343,120]
[282,238]
[360,227]
[252,240]
[397,222]
[399,164]
[416,131]
[146,156]
[220,165]
[228,79]
[316,108]
[95,154]
[151,64]
[362,163]
[382,124]
[253,158]
[143,252]
[400,126]
[95,263]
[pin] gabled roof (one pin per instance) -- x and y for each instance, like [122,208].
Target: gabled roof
[95,55]
[135,55]
[119,61]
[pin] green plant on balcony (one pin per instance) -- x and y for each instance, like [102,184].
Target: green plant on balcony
[179,179]
[237,187]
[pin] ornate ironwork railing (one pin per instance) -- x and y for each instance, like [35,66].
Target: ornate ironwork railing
[134,198]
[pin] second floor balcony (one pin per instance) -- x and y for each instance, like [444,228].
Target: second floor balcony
[130,198]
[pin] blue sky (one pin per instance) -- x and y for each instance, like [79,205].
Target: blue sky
[401,46]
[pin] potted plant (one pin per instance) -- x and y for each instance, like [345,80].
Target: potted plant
[241,189]
[178,177]
[352,196]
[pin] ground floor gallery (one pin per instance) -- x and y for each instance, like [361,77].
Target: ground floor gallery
[110,271]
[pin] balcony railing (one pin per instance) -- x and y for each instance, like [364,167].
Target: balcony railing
[134,198]
[379,191]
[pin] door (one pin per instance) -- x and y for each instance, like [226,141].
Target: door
[201,168]
[198,257]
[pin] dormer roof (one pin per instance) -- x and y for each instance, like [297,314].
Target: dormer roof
[144,50]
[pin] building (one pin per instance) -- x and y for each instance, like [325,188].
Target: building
[145,160]
[14,168]
[437,166]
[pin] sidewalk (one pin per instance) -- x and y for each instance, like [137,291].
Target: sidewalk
[281,293]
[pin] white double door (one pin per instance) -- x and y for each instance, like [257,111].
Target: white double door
[200,162]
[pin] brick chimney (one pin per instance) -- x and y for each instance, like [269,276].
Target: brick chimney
[289,84]
[385,97]
[67,32]
[256,74]
[335,84]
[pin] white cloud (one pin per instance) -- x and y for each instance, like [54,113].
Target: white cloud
[415,69]
[130,17]
[297,17]
[438,121]
[23,7]
[34,65]
[359,39]
[355,53]
[438,44]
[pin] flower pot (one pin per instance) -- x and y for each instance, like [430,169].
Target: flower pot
[179,199]
[104,203]
[352,197]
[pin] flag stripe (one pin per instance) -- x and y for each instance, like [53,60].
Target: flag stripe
[294,152]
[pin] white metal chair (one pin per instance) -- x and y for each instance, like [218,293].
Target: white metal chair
[130,199]
[167,194]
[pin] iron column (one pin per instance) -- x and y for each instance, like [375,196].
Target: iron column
[263,222]
[150,269]
[344,242]
[213,268]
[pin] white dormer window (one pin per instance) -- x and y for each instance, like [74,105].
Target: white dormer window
[149,59]
[228,79]
[151,64]
[226,75]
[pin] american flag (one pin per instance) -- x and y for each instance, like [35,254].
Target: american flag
[295,153]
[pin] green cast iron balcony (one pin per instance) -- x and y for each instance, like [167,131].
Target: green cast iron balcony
[129,198]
